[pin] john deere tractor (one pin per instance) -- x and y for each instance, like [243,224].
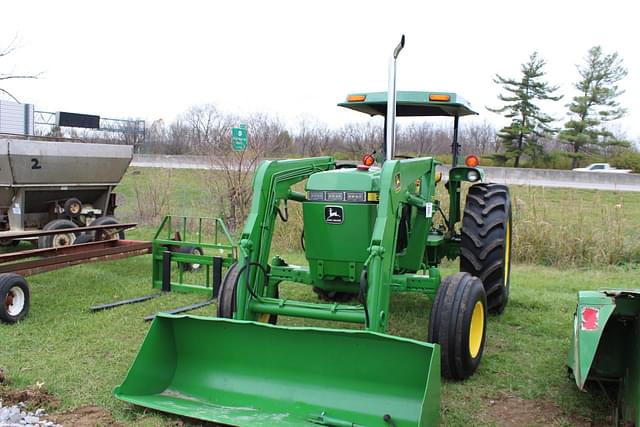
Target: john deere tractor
[369,230]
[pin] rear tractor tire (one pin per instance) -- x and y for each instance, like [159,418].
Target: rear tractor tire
[227,297]
[485,247]
[57,240]
[14,298]
[458,322]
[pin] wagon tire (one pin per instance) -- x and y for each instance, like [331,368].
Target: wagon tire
[72,207]
[188,266]
[106,233]
[15,298]
[57,240]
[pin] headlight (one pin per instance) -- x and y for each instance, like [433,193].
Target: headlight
[473,176]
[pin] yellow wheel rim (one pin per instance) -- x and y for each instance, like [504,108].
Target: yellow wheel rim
[476,331]
[263,317]
[507,254]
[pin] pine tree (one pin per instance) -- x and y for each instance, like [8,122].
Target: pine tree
[528,122]
[595,105]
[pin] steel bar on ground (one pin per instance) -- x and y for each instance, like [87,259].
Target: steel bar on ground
[181,309]
[115,304]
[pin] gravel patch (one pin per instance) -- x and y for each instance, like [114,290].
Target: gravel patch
[18,416]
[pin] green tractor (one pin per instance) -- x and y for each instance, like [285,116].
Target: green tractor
[368,231]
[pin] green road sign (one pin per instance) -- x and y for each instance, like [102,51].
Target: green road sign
[239,138]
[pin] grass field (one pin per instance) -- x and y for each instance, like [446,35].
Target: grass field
[80,357]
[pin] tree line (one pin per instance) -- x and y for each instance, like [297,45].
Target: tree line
[533,137]
[589,112]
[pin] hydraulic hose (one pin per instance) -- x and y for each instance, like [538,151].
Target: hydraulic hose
[246,266]
[362,295]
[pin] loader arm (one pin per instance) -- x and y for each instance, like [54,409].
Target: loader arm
[272,183]
[398,187]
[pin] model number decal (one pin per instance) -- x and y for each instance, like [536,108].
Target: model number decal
[428,210]
[35,164]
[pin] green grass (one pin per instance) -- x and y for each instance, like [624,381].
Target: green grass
[557,227]
[80,356]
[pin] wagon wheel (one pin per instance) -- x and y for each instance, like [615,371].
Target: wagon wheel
[107,233]
[73,207]
[58,240]
[189,266]
[14,297]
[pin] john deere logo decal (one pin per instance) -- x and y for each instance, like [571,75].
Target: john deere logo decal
[397,183]
[333,214]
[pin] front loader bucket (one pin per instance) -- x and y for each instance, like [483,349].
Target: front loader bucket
[251,374]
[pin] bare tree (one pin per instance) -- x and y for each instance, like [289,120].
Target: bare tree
[360,138]
[6,76]
[313,138]
[207,127]
[267,137]
[479,138]
[418,137]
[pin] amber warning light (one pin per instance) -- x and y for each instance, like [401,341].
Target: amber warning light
[472,161]
[368,160]
[356,98]
[439,97]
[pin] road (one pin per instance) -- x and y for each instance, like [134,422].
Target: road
[510,176]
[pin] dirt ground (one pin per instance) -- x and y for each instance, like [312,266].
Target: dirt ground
[504,411]
[38,397]
[34,397]
[512,411]
[86,416]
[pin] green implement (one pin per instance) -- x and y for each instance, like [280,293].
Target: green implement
[337,377]
[368,230]
[605,350]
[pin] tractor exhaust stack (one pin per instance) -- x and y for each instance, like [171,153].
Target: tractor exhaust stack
[391,104]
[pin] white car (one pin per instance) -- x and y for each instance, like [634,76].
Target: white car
[602,167]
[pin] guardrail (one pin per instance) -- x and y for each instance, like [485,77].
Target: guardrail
[513,176]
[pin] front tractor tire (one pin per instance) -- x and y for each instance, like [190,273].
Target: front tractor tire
[485,247]
[458,322]
[227,297]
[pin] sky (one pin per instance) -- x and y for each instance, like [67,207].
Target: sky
[155,59]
